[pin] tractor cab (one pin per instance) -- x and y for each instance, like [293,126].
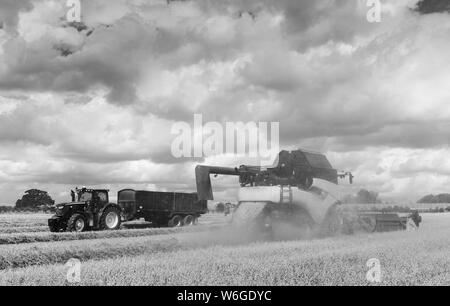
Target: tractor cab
[98,197]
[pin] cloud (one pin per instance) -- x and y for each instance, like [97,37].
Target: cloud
[9,13]
[105,59]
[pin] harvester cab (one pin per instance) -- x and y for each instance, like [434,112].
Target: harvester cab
[89,209]
[285,194]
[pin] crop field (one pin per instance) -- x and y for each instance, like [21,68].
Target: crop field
[211,253]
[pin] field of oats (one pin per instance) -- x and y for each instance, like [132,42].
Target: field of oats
[213,254]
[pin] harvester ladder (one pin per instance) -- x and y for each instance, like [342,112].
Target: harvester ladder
[286,194]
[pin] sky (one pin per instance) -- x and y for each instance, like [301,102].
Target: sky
[93,103]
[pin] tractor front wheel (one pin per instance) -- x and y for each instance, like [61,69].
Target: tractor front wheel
[77,223]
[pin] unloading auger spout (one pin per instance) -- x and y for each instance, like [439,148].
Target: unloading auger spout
[296,168]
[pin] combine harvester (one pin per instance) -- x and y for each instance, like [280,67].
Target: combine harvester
[286,194]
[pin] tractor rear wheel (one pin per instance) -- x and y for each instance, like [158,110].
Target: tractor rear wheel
[110,219]
[77,223]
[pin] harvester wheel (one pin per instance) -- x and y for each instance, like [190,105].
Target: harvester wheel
[110,219]
[303,223]
[77,223]
[368,224]
[188,220]
[249,219]
[176,221]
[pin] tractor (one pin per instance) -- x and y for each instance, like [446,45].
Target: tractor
[89,209]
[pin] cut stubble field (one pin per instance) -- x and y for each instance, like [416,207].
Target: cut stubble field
[213,256]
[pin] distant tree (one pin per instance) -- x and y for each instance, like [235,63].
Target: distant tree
[34,198]
[440,198]
[367,197]
[443,198]
[426,199]
[362,197]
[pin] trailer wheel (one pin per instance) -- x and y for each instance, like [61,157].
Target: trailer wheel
[77,223]
[188,220]
[110,219]
[195,220]
[176,221]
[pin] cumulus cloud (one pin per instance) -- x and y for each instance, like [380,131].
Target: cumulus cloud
[97,99]
[9,13]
